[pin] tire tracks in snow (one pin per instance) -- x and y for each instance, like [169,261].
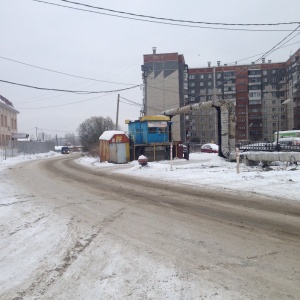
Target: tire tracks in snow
[49,277]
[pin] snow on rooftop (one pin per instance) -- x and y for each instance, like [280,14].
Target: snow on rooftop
[107,135]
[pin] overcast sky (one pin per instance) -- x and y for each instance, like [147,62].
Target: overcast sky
[111,49]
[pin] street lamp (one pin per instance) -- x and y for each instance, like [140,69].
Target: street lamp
[277,148]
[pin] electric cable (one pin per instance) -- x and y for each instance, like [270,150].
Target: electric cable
[62,73]
[69,91]
[178,20]
[66,104]
[165,23]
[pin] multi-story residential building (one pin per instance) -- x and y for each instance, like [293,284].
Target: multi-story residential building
[8,122]
[260,92]
[165,87]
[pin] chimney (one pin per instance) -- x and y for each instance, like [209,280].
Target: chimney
[269,61]
[218,63]
[209,63]
[263,60]
[252,63]
[154,50]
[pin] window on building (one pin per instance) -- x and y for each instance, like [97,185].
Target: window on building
[265,79]
[201,83]
[192,91]
[201,76]
[274,79]
[265,72]
[273,71]
[219,75]
[209,75]
[192,84]
[192,76]
[192,99]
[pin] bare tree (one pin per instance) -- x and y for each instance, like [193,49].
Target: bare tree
[90,130]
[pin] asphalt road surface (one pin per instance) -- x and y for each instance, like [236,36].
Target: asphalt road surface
[87,233]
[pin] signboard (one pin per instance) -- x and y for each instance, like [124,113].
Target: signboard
[160,124]
[19,135]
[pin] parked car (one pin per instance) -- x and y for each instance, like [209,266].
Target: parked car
[210,148]
[65,150]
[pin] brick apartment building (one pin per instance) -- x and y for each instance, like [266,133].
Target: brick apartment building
[8,121]
[259,91]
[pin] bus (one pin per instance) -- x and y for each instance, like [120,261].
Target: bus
[287,133]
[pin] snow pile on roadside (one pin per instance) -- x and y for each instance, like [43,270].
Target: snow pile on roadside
[24,157]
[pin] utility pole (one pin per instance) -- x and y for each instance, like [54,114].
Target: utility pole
[117,118]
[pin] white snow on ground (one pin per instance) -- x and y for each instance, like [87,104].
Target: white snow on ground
[212,171]
[207,170]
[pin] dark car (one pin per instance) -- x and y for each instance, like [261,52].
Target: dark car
[65,150]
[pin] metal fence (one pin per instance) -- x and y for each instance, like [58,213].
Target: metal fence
[268,147]
[15,148]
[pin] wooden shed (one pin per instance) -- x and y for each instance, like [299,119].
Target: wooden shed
[114,147]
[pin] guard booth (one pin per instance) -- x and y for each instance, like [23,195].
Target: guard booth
[114,147]
[150,136]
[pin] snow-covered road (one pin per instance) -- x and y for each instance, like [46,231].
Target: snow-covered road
[69,232]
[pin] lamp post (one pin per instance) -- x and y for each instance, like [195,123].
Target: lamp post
[277,148]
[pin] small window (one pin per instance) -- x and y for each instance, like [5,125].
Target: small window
[152,129]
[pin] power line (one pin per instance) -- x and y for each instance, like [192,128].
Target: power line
[66,104]
[62,73]
[262,53]
[263,56]
[69,91]
[178,20]
[165,23]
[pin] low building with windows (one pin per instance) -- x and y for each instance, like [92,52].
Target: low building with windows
[8,121]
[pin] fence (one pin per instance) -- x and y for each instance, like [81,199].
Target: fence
[15,148]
